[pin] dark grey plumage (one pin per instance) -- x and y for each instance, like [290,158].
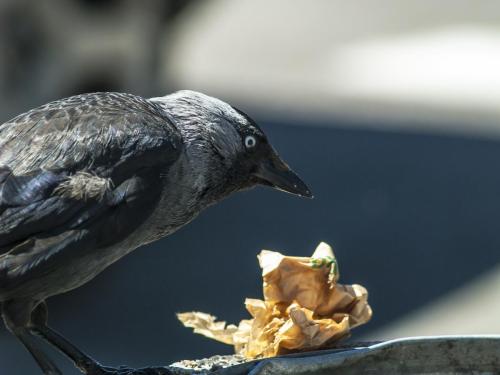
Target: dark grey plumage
[87,179]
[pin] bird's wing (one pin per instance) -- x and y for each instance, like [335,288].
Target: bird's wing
[108,134]
[72,167]
[52,231]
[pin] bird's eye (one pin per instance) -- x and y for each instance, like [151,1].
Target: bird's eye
[250,141]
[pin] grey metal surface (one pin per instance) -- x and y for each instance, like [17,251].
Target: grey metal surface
[443,355]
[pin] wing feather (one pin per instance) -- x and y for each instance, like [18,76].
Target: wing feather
[103,133]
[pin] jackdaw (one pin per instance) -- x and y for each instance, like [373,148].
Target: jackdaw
[87,179]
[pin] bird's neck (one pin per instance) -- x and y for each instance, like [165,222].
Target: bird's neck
[209,172]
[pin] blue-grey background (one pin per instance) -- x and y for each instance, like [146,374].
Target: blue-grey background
[412,215]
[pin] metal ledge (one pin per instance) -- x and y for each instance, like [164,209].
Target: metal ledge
[416,355]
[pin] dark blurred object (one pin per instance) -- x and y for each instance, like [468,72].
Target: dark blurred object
[58,48]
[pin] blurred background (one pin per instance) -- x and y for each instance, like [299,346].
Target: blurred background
[389,110]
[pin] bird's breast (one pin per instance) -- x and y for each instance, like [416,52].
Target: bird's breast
[178,205]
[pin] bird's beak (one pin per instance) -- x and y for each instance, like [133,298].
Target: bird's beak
[275,173]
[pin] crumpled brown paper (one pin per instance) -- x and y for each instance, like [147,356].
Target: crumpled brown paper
[303,308]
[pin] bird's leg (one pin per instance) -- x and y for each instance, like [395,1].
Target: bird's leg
[27,339]
[39,326]
[16,318]
[81,360]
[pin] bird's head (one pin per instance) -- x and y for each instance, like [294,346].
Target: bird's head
[232,151]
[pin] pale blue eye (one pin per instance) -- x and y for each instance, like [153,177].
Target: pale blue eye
[250,141]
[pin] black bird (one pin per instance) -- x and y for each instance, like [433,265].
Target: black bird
[87,179]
